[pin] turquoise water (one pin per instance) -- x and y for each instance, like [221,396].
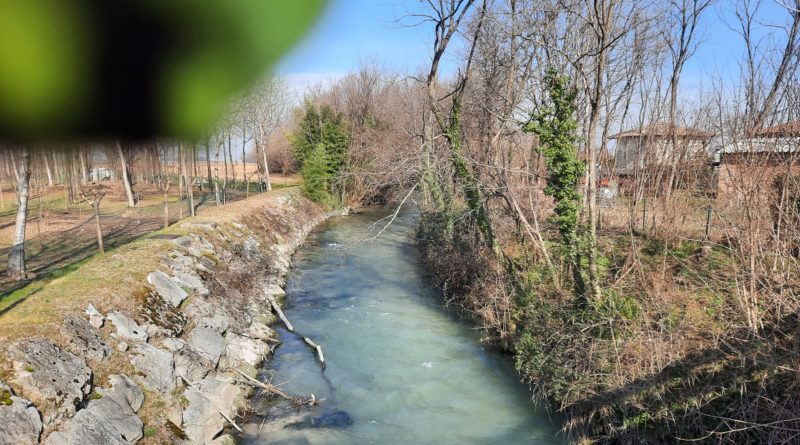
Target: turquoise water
[400,368]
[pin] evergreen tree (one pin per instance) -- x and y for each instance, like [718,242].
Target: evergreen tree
[317,176]
[320,146]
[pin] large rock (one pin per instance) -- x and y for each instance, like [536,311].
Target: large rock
[210,313]
[190,365]
[251,248]
[119,415]
[183,241]
[241,349]
[178,261]
[86,428]
[83,338]
[163,318]
[201,418]
[156,366]
[166,288]
[260,331]
[127,329]
[124,391]
[109,419]
[20,422]
[273,290]
[172,344]
[208,343]
[190,280]
[49,375]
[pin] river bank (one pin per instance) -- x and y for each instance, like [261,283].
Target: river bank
[400,368]
[147,343]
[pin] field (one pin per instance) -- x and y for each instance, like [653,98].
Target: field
[60,234]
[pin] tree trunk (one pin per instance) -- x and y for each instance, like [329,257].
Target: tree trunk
[244,164]
[230,156]
[125,176]
[83,166]
[16,257]
[194,164]
[187,179]
[208,159]
[225,160]
[266,169]
[604,24]
[47,167]
[99,229]
[166,207]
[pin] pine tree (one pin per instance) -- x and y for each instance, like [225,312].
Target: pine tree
[320,145]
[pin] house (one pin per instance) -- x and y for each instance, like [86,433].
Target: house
[652,146]
[760,162]
[101,174]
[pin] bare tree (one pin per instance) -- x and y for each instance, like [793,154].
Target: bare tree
[786,67]
[683,46]
[16,256]
[165,184]
[126,179]
[269,108]
[187,180]
[93,193]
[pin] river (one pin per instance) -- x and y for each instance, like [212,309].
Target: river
[400,368]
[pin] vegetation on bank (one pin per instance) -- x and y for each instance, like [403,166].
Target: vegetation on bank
[116,281]
[656,316]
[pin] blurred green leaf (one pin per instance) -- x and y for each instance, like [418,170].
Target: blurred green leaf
[43,62]
[135,68]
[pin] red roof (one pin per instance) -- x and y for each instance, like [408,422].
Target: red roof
[664,130]
[788,129]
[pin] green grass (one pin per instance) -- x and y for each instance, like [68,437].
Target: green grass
[11,298]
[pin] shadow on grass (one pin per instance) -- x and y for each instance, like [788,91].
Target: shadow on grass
[10,298]
[743,390]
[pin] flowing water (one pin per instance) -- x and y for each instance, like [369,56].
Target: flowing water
[400,368]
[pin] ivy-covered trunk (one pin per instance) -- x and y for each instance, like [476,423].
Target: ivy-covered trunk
[556,127]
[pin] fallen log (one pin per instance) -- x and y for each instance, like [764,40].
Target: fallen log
[318,348]
[272,389]
[277,309]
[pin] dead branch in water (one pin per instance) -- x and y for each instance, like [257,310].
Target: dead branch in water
[277,309]
[272,389]
[318,348]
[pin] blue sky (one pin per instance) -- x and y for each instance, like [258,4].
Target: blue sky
[354,31]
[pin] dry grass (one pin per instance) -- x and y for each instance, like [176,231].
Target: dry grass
[62,238]
[110,282]
[106,280]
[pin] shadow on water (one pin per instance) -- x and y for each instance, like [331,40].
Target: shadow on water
[400,368]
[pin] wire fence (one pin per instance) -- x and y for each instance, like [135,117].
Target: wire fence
[49,250]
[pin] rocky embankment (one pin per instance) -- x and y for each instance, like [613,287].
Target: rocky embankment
[163,368]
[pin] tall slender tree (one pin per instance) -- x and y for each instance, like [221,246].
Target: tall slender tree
[16,257]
